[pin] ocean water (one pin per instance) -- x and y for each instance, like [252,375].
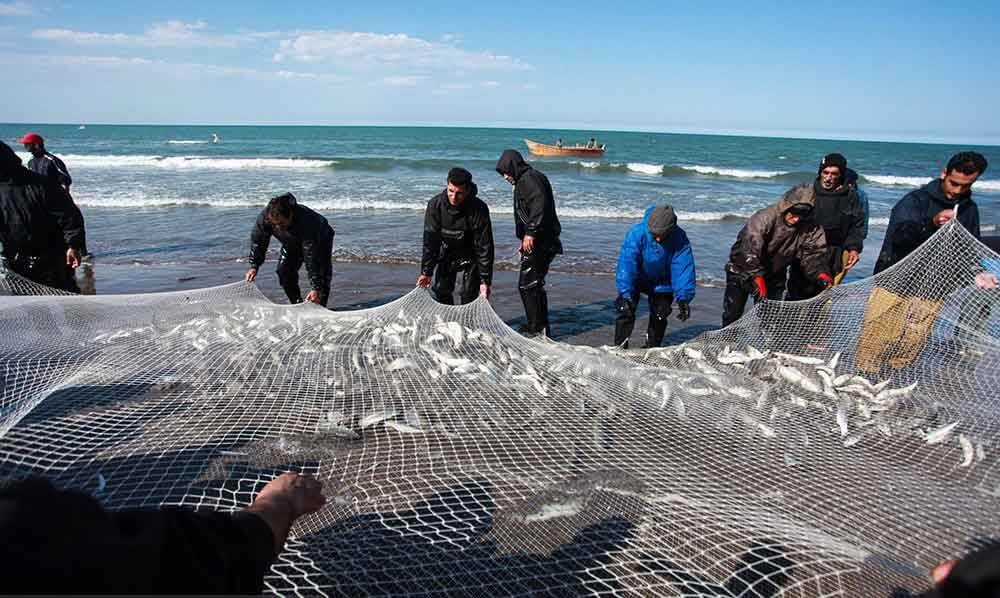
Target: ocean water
[167,194]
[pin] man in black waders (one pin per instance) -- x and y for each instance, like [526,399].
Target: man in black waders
[40,229]
[305,237]
[458,237]
[538,228]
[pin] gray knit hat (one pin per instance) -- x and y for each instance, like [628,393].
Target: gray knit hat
[662,221]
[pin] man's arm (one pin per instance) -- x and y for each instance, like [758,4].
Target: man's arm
[682,272]
[58,171]
[260,238]
[812,252]
[629,263]
[66,214]
[484,246]
[432,240]
[855,238]
[754,242]
[533,204]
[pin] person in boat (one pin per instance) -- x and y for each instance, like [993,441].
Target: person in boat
[773,238]
[559,143]
[458,238]
[538,228]
[306,237]
[655,259]
[592,144]
[839,212]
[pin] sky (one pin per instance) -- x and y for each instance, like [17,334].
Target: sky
[919,71]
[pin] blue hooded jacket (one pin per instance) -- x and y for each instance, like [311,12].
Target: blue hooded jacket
[645,265]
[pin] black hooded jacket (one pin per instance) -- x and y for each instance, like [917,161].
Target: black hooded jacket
[52,167]
[911,221]
[534,204]
[841,215]
[457,232]
[309,233]
[36,216]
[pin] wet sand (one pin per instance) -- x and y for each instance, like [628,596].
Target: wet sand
[581,307]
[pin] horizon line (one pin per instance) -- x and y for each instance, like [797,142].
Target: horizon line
[989,141]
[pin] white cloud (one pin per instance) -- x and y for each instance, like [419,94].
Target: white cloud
[490,84]
[15,9]
[401,81]
[168,34]
[359,50]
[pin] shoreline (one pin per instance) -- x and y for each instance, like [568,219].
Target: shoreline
[581,306]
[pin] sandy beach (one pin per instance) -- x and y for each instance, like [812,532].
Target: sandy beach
[581,306]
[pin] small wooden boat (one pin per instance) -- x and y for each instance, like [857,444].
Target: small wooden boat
[544,149]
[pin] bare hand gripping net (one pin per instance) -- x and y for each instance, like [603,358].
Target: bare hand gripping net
[834,447]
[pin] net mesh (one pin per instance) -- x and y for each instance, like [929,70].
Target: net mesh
[837,446]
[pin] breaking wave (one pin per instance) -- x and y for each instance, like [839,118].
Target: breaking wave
[186,141]
[190,162]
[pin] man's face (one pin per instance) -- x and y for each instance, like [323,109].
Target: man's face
[792,219]
[456,194]
[509,178]
[829,177]
[955,184]
[34,147]
[279,222]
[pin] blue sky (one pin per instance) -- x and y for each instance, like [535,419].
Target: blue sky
[889,70]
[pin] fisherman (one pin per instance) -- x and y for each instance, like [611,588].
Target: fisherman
[559,142]
[537,226]
[898,321]
[44,163]
[839,212]
[40,229]
[305,237]
[592,143]
[458,237]
[655,259]
[62,542]
[773,238]
[922,211]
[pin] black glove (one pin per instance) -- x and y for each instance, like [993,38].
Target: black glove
[624,304]
[683,310]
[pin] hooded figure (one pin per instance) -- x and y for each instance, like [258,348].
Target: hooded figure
[41,230]
[306,237]
[840,213]
[655,259]
[458,237]
[537,226]
[772,239]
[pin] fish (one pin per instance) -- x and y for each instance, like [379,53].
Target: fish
[794,376]
[800,358]
[941,434]
[402,363]
[698,391]
[102,482]
[832,364]
[754,354]
[858,390]
[452,330]
[693,353]
[897,392]
[434,338]
[827,385]
[852,440]
[842,380]
[968,451]
[980,452]
[842,419]
[405,429]
[377,417]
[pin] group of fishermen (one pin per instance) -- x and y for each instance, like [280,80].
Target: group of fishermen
[793,249]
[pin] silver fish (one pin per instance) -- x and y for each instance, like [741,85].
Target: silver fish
[852,440]
[968,451]
[693,353]
[403,428]
[842,380]
[402,363]
[794,376]
[377,417]
[834,361]
[940,434]
[842,419]
[800,358]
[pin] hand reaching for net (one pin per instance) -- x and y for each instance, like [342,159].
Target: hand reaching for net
[284,499]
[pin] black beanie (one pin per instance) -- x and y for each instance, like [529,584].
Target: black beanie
[834,160]
[662,220]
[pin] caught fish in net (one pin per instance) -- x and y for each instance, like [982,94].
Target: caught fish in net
[839,446]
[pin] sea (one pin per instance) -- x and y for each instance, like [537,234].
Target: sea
[172,195]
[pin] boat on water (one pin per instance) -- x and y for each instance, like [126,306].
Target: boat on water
[545,149]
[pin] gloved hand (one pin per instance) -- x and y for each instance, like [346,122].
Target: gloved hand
[683,310]
[624,304]
[825,279]
[760,287]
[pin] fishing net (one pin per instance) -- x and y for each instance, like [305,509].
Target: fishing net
[834,447]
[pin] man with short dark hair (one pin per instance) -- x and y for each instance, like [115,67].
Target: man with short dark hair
[538,227]
[458,238]
[305,237]
[923,211]
[40,229]
[44,163]
[655,259]
[773,238]
[839,212]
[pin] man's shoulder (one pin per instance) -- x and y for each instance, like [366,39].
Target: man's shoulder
[479,206]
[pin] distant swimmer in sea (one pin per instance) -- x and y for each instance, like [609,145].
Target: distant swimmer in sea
[538,228]
[458,237]
[772,239]
[306,237]
[655,259]
[215,138]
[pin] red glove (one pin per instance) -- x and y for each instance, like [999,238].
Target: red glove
[761,285]
[826,279]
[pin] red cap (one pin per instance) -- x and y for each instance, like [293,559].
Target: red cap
[31,138]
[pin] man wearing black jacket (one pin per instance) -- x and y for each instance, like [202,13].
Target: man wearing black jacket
[40,228]
[538,228]
[921,212]
[458,237]
[305,237]
[840,213]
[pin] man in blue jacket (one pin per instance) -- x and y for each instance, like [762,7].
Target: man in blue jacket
[655,259]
